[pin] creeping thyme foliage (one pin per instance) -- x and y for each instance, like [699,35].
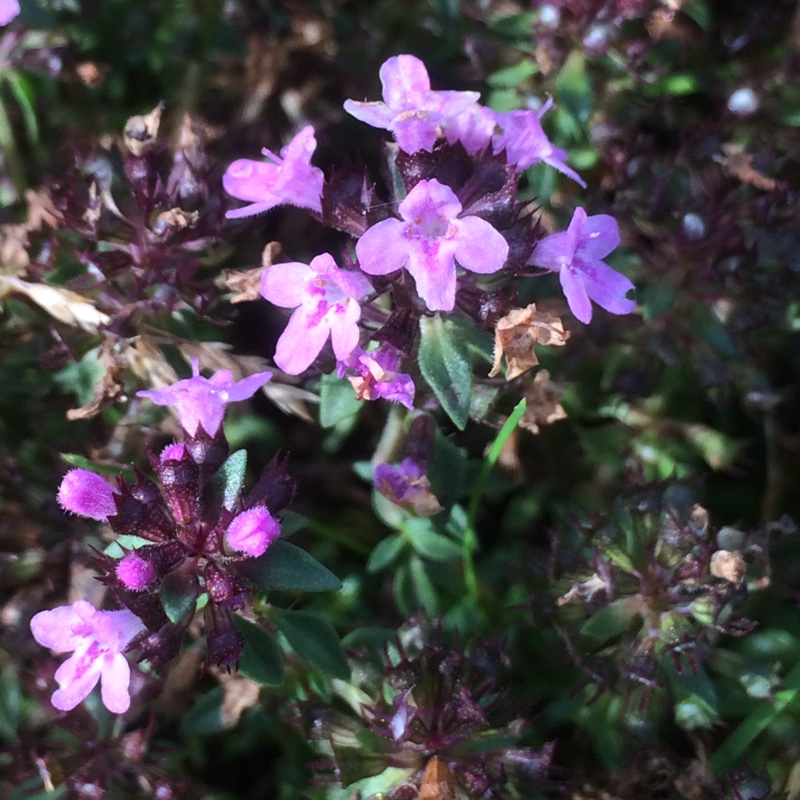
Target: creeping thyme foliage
[395,402]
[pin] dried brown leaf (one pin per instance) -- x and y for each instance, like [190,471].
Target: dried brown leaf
[62,304]
[110,386]
[739,164]
[141,132]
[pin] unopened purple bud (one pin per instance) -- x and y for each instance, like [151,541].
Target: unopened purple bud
[172,452]
[252,531]
[86,494]
[136,573]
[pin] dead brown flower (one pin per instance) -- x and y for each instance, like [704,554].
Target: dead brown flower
[517,332]
[543,403]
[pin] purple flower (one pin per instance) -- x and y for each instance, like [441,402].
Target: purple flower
[8,10]
[428,240]
[473,127]
[525,143]
[408,487]
[200,401]
[576,254]
[98,639]
[252,531]
[86,494]
[410,110]
[326,299]
[291,180]
[377,376]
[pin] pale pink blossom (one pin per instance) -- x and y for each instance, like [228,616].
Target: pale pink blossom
[473,127]
[200,402]
[410,109]
[9,9]
[428,240]
[577,255]
[377,375]
[98,639]
[525,143]
[326,299]
[289,180]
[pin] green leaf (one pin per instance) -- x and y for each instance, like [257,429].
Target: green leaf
[446,367]
[429,544]
[128,541]
[205,716]
[337,401]
[512,77]
[291,522]
[573,89]
[261,659]
[178,593]
[610,621]
[23,92]
[514,26]
[385,553]
[286,567]
[77,460]
[231,478]
[446,470]
[423,587]
[315,640]
[10,696]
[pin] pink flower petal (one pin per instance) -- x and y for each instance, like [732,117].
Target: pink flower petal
[430,198]
[404,78]
[301,341]
[55,629]
[344,330]
[115,682]
[433,269]
[381,249]
[247,387]
[285,284]
[554,252]
[480,247]
[599,237]
[377,114]
[416,130]
[575,292]
[607,287]
[78,675]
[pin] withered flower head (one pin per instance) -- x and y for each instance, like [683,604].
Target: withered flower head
[517,332]
[543,403]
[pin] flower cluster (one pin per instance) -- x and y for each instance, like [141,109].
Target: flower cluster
[451,225]
[193,533]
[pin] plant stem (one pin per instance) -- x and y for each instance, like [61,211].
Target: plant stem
[470,535]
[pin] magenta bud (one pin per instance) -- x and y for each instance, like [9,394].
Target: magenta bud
[252,531]
[172,452]
[136,573]
[87,494]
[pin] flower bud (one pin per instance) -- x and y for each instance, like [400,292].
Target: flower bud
[140,569]
[136,573]
[86,494]
[252,531]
